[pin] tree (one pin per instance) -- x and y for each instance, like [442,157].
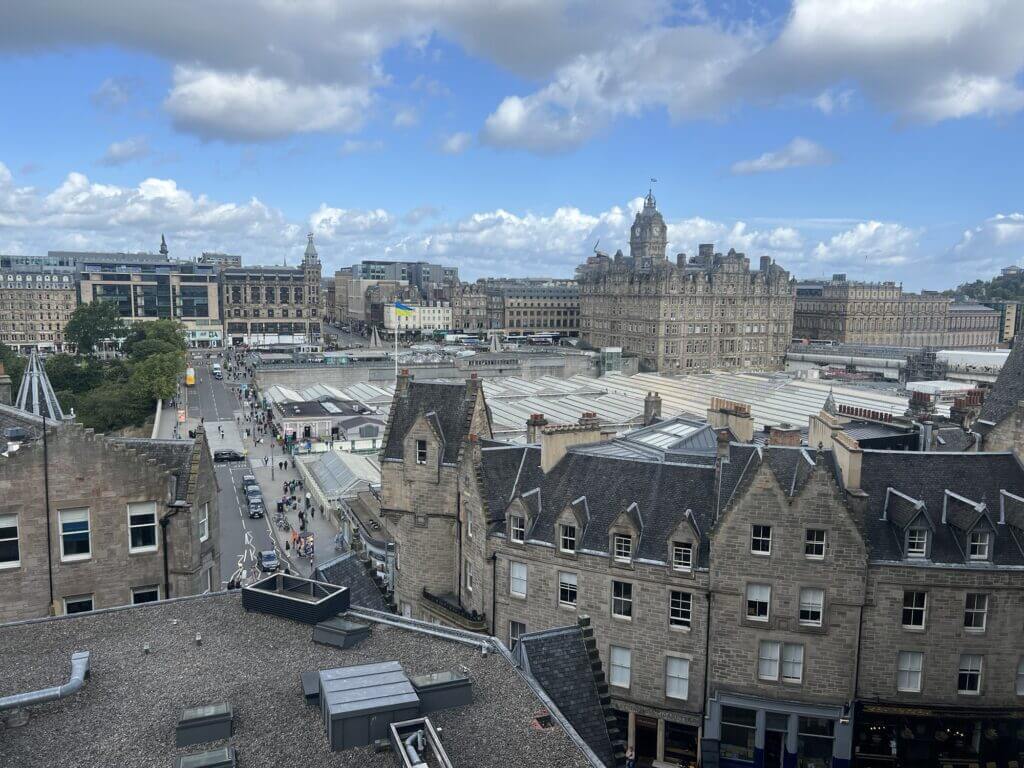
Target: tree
[92,323]
[156,377]
[70,374]
[14,366]
[154,337]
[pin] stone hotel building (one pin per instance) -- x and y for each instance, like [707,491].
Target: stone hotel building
[750,605]
[711,311]
[37,297]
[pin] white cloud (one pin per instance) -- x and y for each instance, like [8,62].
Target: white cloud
[832,101]
[996,242]
[121,152]
[357,146]
[249,107]
[113,93]
[798,153]
[406,117]
[456,143]
[337,222]
[874,242]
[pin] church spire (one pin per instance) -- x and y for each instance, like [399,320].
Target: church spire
[163,246]
[310,248]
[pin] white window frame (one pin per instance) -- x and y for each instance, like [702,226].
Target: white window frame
[753,595]
[769,658]
[79,598]
[204,522]
[909,665]
[151,588]
[11,521]
[792,657]
[512,528]
[564,536]
[517,578]
[622,547]
[680,612]
[677,678]
[970,664]
[620,663]
[682,555]
[513,635]
[761,535]
[923,609]
[75,512]
[811,541]
[917,542]
[469,575]
[812,601]
[626,602]
[421,452]
[568,582]
[973,609]
[133,526]
[979,545]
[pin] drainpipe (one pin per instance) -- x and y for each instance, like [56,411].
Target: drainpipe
[79,671]
[494,593]
[46,496]
[173,508]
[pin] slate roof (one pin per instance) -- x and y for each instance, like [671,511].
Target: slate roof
[952,440]
[792,467]
[1005,393]
[349,571]
[447,402]
[174,456]
[507,468]
[685,439]
[926,477]
[12,418]
[558,660]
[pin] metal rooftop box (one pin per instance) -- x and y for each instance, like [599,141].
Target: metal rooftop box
[293,597]
[442,690]
[359,703]
[201,724]
[215,758]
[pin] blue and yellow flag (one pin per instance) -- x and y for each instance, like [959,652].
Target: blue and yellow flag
[403,310]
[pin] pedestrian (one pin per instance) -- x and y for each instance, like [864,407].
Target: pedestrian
[266,461]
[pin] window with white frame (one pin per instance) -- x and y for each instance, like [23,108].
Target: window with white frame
[421,451]
[682,555]
[968,679]
[768,659]
[761,539]
[908,671]
[620,660]
[680,609]
[469,525]
[567,589]
[622,599]
[517,528]
[209,579]
[623,547]
[917,542]
[75,541]
[567,537]
[792,663]
[10,546]
[814,543]
[1020,677]
[978,545]
[78,604]
[517,579]
[145,594]
[914,609]
[142,526]
[515,630]
[204,521]
[975,611]
[677,677]
[469,575]
[759,597]
[812,604]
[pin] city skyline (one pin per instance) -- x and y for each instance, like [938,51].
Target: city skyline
[419,133]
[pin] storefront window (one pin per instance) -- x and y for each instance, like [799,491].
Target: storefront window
[738,729]
[814,743]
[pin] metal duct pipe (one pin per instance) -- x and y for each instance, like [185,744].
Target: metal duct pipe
[414,745]
[79,671]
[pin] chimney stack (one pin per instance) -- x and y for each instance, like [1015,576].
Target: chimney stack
[533,427]
[589,419]
[848,457]
[784,434]
[402,383]
[5,387]
[652,408]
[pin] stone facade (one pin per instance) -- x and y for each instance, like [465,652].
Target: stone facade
[469,308]
[35,305]
[102,477]
[531,306]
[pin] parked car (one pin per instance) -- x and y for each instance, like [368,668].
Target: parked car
[256,508]
[268,562]
[228,454]
[248,480]
[254,494]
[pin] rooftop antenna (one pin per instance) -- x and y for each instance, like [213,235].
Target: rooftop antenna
[597,244]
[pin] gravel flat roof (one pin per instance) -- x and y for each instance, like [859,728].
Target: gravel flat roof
[126,713]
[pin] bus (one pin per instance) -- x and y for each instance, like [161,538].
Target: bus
[190,377]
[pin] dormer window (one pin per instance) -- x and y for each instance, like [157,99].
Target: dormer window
[517,528]
[623,547]
[421,451]
[978,545]
[917,542]
[682,555]
[567,538]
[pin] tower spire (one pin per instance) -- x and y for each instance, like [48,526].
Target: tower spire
[310,248]
[163,246]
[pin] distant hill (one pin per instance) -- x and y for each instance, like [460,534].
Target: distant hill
[1001,288]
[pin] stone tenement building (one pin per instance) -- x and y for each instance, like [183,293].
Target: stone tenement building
[36,302]
[752,605]
[469,308]
[273,305]
[881,313]
[709,312]
[88,521]
[535,306]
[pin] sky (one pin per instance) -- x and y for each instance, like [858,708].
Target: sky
[880,138]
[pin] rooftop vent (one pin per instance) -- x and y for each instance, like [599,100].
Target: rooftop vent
[293,597]
[198,725]
[442,690]
[215,758]
[359,703]
[418,744]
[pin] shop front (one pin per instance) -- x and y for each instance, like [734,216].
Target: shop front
[750,732]
[895,735]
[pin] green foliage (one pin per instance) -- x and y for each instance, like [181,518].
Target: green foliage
[1000,288]
[14,366]
[155,337]
[73,374]
[92,323]
[155,378]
